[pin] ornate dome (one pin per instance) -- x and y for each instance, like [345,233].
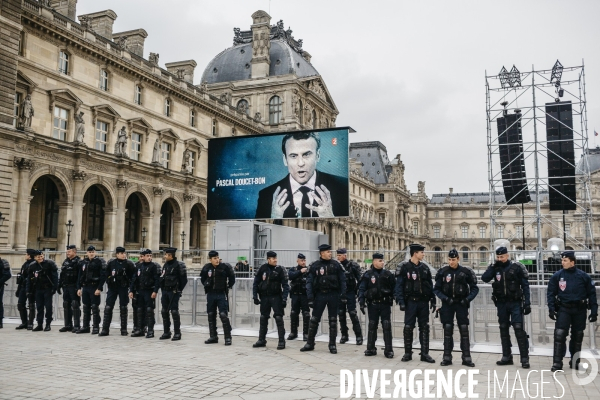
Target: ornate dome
[234,64]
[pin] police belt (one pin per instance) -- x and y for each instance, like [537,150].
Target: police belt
[90,284]
[325,291]
[503,299]
[573,304]
[380,301]
[417,298]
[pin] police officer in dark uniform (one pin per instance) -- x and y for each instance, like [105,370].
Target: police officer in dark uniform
[456,286]
[376,289]
[119,272]
[271,283]
[67,286]
[217,278]
[5,275]
[414,294]
[43,280]
[147,281]
[21,293]
[172,282]
[353,274]
[570,292]
[92,274]
[134,296]
[297,277]
[512,297]
[325,287]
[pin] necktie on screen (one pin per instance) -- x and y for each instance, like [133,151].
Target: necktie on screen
[305,201]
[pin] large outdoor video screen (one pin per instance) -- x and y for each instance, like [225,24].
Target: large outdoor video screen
[300,174]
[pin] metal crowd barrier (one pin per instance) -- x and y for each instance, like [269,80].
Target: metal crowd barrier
[245,314]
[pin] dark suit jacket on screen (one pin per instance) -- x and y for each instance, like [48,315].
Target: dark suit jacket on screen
[337,186]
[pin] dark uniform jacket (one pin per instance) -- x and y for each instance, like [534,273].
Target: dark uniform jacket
[119,273]
[23,276]
[510,282]
[146,277]
[69,272]
[353,275]
[377,286]
[5,274]
[325,276]
[271,281]
[174,276]
[217,279]
[92,273]
[42,276]
[298,280]
[572,287]
[413,282]
[457,284]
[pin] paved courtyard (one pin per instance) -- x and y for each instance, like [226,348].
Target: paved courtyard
[53,365]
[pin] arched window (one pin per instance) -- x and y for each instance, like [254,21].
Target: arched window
[51,210]
[438,254]
[483,255]
[95,205]
[274,110]
[132,218]
[166,219]
[465,253]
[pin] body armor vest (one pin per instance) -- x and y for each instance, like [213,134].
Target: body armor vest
[417,282]
[327,278]
[378,286]
[506,283]
[454,283]
[171,273]
[271,280]
[298,284]
[68,272]
[91,271]
[146,275]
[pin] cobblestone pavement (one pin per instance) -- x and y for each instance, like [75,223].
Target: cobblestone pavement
[53,365]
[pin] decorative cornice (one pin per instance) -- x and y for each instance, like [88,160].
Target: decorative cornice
[23,163]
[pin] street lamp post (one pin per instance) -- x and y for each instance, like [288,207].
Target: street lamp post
[144,233]
[69,226]
[182,242]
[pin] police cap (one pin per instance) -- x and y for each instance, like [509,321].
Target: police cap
[120,249]
[301,256]
[416,247]
[31,252]
[91,248]
[324,247]
[377,256]
[568,254]
[271,254]
[501,250]
[145,251]
[341,251]
[170,250]
[453,253]
[213,253]
[37,253]
[71,247]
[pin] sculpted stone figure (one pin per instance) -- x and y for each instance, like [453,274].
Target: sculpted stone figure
[156,152]
[79,127]
[121,144]
[26,112]
[153,58]
[187,161]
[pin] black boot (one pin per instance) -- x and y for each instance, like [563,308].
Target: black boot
[388,352]
[294,322]
[123,315]
[138,331]
[150,322]
[47,328]
[76,309]
[332,334]
[465,346]
[523,344]
[262,332]
[212,329]
[280,332]
[560,344]
[408,340]
[96,319]
[39,327]
[356,327]
[31,315]
[424,339]
[23,314]
[176,325]
[68,317]
[448,345]
[86,320]
[312,332]
[305,322]
[343,327]
[226,328]
[575,347]
[371,339]
[135,315]
[166,317]
[108,313]
[507,358]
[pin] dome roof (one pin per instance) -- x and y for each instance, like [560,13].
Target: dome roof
[234,63]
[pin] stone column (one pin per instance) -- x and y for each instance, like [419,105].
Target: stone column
[110,215]
[155,231]
[22,214]
[64,208]
[147,221]
[77,213]
[120,212]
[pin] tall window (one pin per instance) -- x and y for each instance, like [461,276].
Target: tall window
[436,232]
[168,107]
[500,232]
[193,167]
[483,255]
[59,128]
[535,231]
[18,99]
[415,208]
[567,229]
[465,253]
[137,97]
[465,232]
[63,63]
[192,118]
[520,231]
[136,146]
[353,189]
[482,232]
[51,210]
[464,214]
[436,214]
[165,154]
[101,135]
[22,43]
[214,127]
[166,219]
[415,228]
[381,197]
[274,110]
[103,80]
[481,213]
[438,255]
[95,205]
[132,219]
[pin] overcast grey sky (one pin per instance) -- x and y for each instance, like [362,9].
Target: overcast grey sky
[410,74]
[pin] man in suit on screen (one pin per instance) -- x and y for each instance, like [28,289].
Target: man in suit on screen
[305,192]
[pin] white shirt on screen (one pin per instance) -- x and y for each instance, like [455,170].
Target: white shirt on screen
[297,194]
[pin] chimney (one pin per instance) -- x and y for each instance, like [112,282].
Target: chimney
[135,40]
[182,69]
[102,22]
[261,44]
[68,8]
[451,190]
